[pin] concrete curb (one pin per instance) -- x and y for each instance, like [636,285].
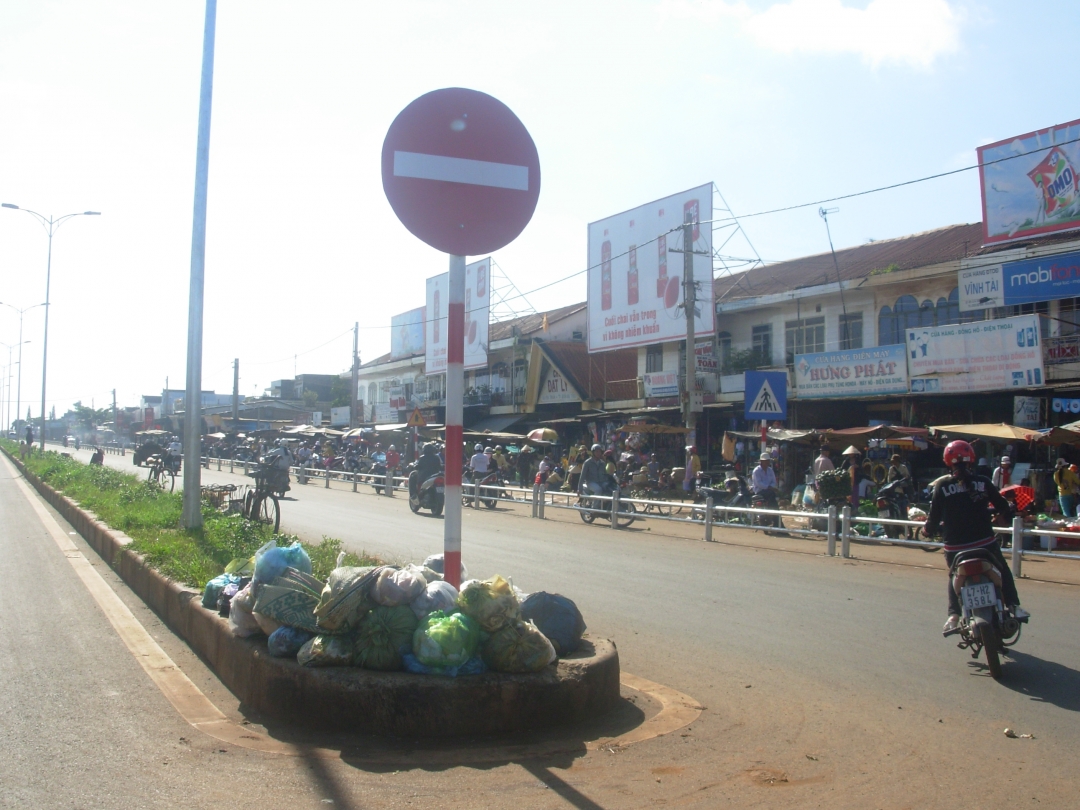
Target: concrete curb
[580,687]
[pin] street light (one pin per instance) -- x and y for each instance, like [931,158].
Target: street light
[11,346]
[18,399]
[51,225]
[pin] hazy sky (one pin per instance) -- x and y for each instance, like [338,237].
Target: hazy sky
[776,102]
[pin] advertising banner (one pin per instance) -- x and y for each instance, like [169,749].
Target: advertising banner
[704,358]
[556,388]
[1027,412]
[477,314]
[339,416]
[983,356]
[661,384]
[635,282]
[854,373]
[407,334]
[384,414]
[1036,191]
[1064,405]
[999,285]
[397,396]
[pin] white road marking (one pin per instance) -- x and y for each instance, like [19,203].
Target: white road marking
[461,170]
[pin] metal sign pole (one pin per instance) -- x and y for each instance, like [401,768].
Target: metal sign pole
[455,408]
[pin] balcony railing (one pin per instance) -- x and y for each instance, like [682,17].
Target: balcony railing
[1060,350]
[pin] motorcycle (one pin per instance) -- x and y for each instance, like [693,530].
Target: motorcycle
[985,624]
[734,493]
[377,470]
[766,499]
[889,500]
[490,489]
[427,495]
[590,506]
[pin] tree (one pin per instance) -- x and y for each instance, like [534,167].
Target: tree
[339,393]
[310,398]
[90,418]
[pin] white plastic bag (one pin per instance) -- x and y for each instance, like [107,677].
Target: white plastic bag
[437,596]
[399,587]
[241,620]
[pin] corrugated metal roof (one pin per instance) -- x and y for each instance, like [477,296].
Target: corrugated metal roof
[607,375]
[530,324]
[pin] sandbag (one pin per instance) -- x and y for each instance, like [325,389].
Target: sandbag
[491,603]
[285,642]
[214,587]
[400,587]
[443,640]
[327,651]
[518,647]
[344,600]
[241,622]
[556,617]
[438,595]
[382,635]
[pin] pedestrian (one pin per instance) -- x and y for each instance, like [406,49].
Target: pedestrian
[898,471]
[1068,484]
[393,459]
[854,468]
[823,462]
[691,475]
[1003,474]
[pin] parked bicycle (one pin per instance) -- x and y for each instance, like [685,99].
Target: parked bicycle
[162,474]
[261,504]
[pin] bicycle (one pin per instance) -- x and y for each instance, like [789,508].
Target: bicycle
[261,504]
[161,474]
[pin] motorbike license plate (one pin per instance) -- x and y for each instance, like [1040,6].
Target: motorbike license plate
[440,490]
[979,596]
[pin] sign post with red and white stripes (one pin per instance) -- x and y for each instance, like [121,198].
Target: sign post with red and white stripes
[462,174]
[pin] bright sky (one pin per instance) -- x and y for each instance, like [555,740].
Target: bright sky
[778,103]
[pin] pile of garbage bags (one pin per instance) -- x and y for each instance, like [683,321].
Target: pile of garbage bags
[392,618]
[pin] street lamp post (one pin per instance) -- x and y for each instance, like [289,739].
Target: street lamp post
[11,421]
[18,398]
[51,225]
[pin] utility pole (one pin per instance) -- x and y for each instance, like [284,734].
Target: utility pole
[236,394]
[354,420]
[115,421]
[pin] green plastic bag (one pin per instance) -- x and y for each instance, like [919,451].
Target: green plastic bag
[518,647]
[491,603]
[327,651]
[444,640]
[383,633]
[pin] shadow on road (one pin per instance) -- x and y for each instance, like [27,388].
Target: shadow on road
[1044,681]
[562,788]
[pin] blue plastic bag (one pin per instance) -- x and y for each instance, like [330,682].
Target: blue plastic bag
[474,666]
[214,588]
[296,557]
[285,642]
[556,617]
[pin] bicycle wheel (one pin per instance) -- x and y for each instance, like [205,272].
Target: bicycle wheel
[269,511]
[626,515]
[167,480]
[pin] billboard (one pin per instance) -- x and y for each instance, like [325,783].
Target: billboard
[981,356]
[1034,189]
[999,285]
[852,373]
[477,312]
[635,282]
[407,334]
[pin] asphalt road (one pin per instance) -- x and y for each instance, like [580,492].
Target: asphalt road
[826,681]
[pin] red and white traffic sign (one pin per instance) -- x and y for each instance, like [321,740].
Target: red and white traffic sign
[461,171]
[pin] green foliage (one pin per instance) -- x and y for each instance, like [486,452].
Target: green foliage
[882,271]
[152,519]
[339,393]
[310,398]
[740,360]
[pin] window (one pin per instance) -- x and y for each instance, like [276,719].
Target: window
[1069,316]
[723,346]
[761,344]
[908,313]
[372,393]
[803,337]
[1038,308]
[654,359]
[887,329]
[851,331]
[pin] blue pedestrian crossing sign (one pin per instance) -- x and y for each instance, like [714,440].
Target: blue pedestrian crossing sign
[766,394]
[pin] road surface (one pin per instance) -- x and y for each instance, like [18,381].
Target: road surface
[826,681]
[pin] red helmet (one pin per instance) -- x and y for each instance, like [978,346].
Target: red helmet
[959,451]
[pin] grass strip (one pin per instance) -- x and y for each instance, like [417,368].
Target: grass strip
[151,518]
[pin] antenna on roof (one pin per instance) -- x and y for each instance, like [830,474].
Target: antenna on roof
[507,301]
[844,326]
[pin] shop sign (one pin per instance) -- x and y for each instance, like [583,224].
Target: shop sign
[340,416]
[983,356]
[397,397]
[704,359]
[556,388]
[858,372]
[661,384]
[1062,405]
[1027,412]
[385,414]
[1004,285]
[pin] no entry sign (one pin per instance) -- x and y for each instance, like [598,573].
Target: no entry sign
[461,171]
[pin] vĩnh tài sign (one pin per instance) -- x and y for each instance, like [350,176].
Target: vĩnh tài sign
[854,372]
[1047,278]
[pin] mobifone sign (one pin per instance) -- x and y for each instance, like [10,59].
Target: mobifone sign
[1047,278]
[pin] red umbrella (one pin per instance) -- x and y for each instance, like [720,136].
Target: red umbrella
[1025,496]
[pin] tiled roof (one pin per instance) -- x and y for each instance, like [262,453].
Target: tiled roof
[607,375]
[906,252]
[530,324]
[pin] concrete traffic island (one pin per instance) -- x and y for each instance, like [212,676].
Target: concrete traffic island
[581,687]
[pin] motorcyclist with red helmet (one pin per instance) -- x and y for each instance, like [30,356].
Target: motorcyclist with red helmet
[960,502]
